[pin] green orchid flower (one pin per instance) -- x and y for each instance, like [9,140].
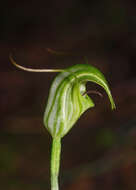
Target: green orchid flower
[67,101]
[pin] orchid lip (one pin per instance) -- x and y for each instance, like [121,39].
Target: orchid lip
[93,92]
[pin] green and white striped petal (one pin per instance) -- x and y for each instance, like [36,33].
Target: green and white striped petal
[66,101]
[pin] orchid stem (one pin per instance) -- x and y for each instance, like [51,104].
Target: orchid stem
[55,162]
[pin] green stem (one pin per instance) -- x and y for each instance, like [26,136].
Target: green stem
[55,162]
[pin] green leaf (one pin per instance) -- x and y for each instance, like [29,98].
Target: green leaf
[67,99]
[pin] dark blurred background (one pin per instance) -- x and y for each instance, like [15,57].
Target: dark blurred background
[100,151]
